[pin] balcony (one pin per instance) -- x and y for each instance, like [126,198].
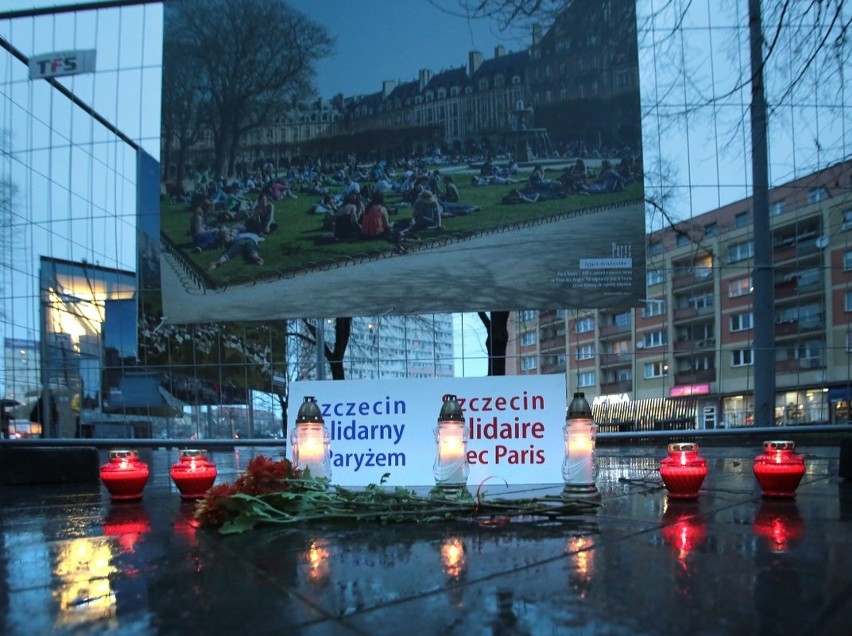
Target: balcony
[692,278]
[803,325]
[684,345]
[556,343]
[616,359]
[622,386]
[794,366]
[614,330]
[552,368]
[699,376]
[685,313]
[690,344]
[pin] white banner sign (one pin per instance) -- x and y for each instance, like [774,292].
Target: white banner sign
[388,426]
[62,63]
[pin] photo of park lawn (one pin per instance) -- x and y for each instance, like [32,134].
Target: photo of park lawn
[291,249]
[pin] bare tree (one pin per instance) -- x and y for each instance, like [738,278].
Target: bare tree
[335,352]
[497,327]
[250,57]
[7,196]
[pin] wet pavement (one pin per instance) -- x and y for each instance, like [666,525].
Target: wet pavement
[731,562]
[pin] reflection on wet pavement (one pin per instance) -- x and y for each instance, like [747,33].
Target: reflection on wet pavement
[730,562]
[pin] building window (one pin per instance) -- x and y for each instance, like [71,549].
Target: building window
[682,239]
[528,314]
[656,247]
[777,207]
[740,251]
[656,307]
[815,195]
[739,287]
[585,325]
[847,220]
[711,229]
[741,219]
[528,363]
[527,338]
[848,301]
[655,339]
[623,319]
[741,358]
[656,276]
[849,341]
[742,322]
[586,378]
[656,370]
[701,301]
[585,352]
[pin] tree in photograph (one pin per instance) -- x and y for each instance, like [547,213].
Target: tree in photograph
[183,104]
[250,59]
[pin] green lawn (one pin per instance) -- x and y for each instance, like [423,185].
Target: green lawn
[291,247]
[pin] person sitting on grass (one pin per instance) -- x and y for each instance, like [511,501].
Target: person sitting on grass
[425,213]
[374,222]
[262,218]
[245,244]
[608,180]
[204,238]
[451,200]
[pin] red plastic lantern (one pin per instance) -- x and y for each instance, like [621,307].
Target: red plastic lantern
[125,475]
[193,474]
[779,469]
[683,471]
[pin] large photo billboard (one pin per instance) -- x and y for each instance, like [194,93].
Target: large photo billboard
[365,158]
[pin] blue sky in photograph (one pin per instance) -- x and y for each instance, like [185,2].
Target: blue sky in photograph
[378,40]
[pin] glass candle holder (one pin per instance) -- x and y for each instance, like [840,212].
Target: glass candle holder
[125,475]
[451,467]
[310,441]
[193,473]
[779,469]
[579,469]
[683,471]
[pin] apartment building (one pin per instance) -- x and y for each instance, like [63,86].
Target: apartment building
[686,353]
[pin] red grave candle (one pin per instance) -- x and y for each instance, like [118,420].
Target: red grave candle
[779,469]
[683,471]
[125,475]
[193,474]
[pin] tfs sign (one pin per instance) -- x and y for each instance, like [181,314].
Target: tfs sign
[62,63]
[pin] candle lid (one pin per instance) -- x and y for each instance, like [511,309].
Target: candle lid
[309,411]
[124,454]
[451,410]
[579,407]
[189,453]
[776,445]
[683,447]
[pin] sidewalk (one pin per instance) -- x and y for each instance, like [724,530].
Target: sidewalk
[72,562]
